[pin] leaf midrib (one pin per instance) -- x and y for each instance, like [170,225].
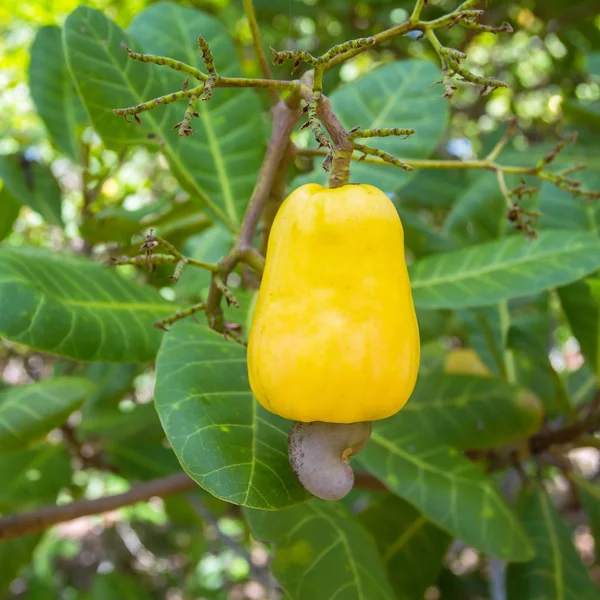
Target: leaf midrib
[167,149]
[453,277]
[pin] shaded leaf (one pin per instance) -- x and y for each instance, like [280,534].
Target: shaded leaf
[398,94]
[29,412]
[509,268]
[224,439]
[322,553]
[582,308]
[479,214]
[560,210]
[447,488]
[9,211]
[14,555]
[468,412]
[420,237]
[412,549]
[33,476]
[73,307]
[32,184]
[581,385]
[53,92]
[590,499]
[556,571]
[117,585]
[218,164]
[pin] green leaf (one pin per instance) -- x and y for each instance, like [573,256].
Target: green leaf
[450,490]
[14,555]
[468,412]
[483,326]
[560,210]
[557,571]
[32,184]
[73,307]
[322,553]
[117,585]
[222,437]
[33,476]
[582,309]
[590,499]
[509,268]
[112,382]
[53,92]
[29,412]
[412,549]
[581,385]
[398,94]
[420,237]
[479,214]
[9,211]
[219,163]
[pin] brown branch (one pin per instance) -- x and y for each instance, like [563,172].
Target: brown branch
[286,114]
[38,520]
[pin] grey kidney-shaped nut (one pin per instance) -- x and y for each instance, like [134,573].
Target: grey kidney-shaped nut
[320,455]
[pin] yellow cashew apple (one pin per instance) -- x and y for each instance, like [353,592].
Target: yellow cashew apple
[335,336]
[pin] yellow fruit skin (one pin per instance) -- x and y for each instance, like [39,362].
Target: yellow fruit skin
[335,335]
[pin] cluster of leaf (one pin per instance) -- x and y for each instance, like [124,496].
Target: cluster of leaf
[476,283]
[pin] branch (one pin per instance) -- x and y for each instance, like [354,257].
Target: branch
[38,520]
[286,115]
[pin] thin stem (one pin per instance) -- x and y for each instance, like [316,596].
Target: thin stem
[165,61]
[416,13]
[258,48]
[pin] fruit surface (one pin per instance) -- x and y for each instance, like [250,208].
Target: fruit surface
[335,335]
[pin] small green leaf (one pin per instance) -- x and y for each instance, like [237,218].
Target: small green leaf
[412,549]
[73,307]
[32,184]
[29,412]
[399,94]
[557,571]
[53,92]
[468,412]
[450,490]
[223,438]
[322,553]
[9,211]
[509,268]
[590,499]
[582,309]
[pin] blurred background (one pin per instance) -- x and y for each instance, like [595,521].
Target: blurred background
[173,549]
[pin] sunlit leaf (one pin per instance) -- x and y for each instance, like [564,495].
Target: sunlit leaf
[556,571]
[224,439]
[412,549]
[219,163]
[509,268]
[29,412]
[321,552]
[53,92]
[74,307]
